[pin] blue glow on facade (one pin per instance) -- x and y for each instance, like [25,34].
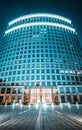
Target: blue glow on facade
[41,51]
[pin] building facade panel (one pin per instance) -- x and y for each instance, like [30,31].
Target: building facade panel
[41,50]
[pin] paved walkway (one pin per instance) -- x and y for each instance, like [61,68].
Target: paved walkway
[43,117]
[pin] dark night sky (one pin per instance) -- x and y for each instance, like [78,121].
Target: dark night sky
[72,9]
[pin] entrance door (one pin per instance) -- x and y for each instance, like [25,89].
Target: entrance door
[38,95]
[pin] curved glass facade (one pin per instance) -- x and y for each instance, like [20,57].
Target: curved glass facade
[41,49]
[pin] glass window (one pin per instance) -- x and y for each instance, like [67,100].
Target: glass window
[13,90]
[32,71]
[53,83]
[68,78]
[57,71]
[61,90]
[18,72]
[3,90]
[58,77]
[14,72]
[67,90]
[42,71]
[43,83]
[43,77]
[47,71]
[37,71]
[9,79]
[52,71]
[23,71]
[32,83]
[28,77]
[32,77]
[79,89]
[73,90]
[48,77]
[22,78]
[63,77]
[53,77]
[20,91]
[28,71]
[8,90]
[37,77]
[18,77]
[48,83]
[13,78]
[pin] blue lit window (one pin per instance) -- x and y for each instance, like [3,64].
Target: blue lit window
[63,77]
[28,77]
[14,72]
[32,71]
[23,71]
[52,71]
[43,83]
[61,90]
[37,77]
[48,71]
[32,83]
[22,78]
[37,71]
[42,71]
[13,78]
[9,79]
[58,77]
[54,83]
[48,83]
[67,90]
[43,77]
[68,78]
[32,77]
[28,71]
[53,77]
[18,77]
[18,72]
[73,90]
[48,77]
[57,71]
[79,89]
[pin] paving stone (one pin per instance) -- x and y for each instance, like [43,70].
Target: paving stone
[39,118]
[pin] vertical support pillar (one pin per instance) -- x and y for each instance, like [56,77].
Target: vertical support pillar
[78,98]
[4,99]
[52,94]
[65,98]
[59,98]
[72,99]
[29,95]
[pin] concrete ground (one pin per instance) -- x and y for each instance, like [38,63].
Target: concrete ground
[41,117]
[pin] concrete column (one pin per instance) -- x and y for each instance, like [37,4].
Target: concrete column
[52,94]
[29,95]
[76,90]
[3,98]
[70,89]
[22,98]
[72,99]
[59,98]
[66,99]
[78,98]
[16,90]
[5,90]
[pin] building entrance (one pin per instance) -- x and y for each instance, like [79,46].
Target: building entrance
[40,95]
